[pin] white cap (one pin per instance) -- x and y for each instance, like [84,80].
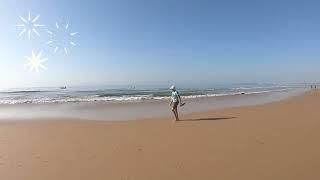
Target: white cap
[172,88]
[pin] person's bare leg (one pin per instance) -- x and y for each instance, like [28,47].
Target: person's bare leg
[174,113]
[177,114]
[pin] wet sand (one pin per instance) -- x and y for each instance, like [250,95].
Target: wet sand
[136,110]
[279,140]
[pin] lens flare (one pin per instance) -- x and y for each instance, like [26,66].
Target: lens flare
[62,43]
[35,62]
[29,25]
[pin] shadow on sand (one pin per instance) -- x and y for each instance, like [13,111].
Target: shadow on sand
[208,119]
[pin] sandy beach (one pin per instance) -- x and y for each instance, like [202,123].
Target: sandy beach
[278,140]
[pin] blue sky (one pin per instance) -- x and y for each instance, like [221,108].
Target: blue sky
[165,42]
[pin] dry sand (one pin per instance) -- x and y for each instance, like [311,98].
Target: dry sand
[273,141]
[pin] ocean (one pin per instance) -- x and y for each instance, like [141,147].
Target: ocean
[45,95]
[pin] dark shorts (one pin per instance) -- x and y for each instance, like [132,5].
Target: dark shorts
[175,104]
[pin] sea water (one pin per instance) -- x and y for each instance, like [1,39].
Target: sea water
[131,103]
[45,95]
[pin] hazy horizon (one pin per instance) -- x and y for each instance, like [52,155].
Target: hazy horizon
[146,43]
[180,86]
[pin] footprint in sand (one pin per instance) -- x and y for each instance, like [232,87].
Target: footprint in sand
[19,165]
[140,148]
[92,156]
[260,141]
[37,156]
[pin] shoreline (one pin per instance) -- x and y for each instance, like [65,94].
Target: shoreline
[78,95]
[137,110]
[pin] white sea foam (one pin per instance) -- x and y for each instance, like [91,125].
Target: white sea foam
[35,98]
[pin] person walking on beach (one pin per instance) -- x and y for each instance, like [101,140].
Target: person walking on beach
[175,100]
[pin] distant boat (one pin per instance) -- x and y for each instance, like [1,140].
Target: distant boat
[63,87]
[132,87]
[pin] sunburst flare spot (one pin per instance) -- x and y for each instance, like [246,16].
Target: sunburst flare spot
[35,62]
[61,38]
[29,25]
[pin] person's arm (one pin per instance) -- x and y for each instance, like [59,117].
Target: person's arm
[179,98]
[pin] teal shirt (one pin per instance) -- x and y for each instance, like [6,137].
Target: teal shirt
[175,96]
